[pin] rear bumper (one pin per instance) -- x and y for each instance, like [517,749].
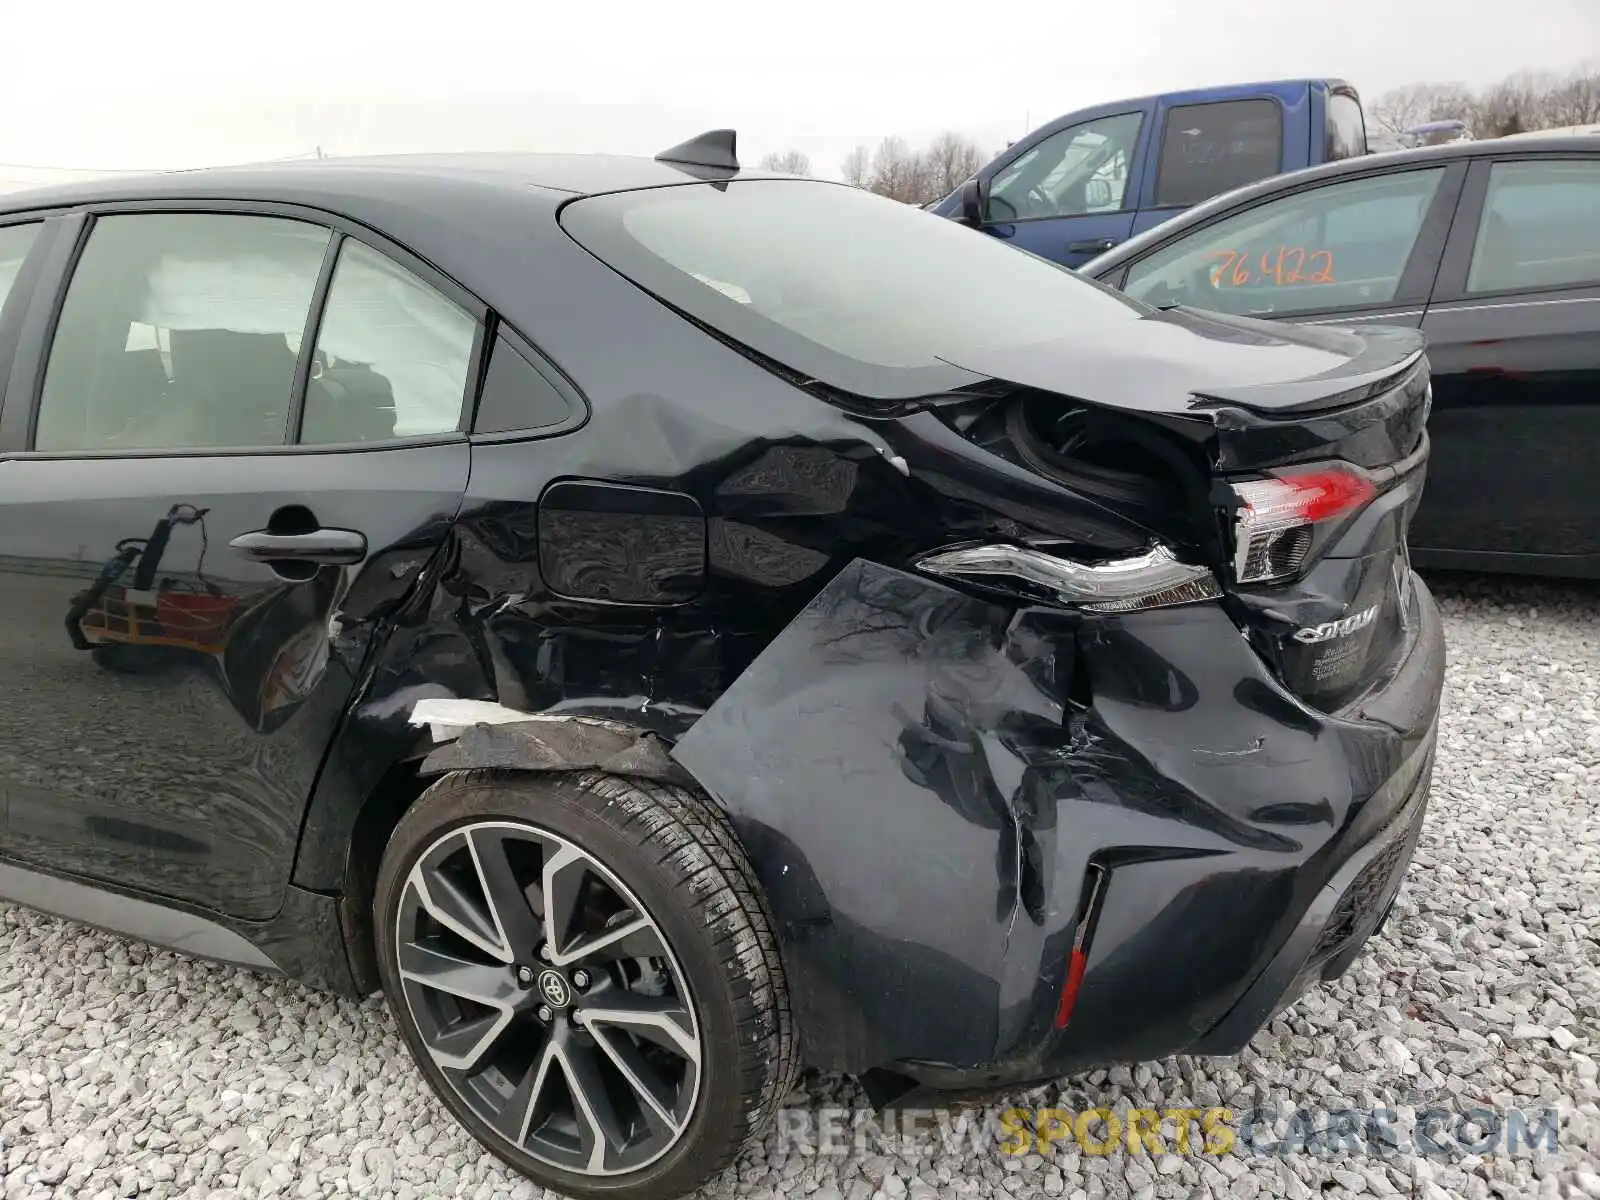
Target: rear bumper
[1348,910]
[928,784]
[1342,891]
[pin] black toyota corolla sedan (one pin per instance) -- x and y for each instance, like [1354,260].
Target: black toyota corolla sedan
[664,625]
[1492,250]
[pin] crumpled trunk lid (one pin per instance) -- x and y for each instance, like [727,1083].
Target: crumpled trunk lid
[1218,434]
[1182,362]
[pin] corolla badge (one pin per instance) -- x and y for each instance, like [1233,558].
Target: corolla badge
[1343,627]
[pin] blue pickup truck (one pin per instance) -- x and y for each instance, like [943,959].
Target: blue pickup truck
[1091,179]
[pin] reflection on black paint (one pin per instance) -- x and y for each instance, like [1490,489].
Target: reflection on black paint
[1515,425]
[266,650]
[148,837]
[752,554]
[168,703]
[621,545]
[1293,814]
[1133,673]
[180,615]
[789,480]
[1259,697]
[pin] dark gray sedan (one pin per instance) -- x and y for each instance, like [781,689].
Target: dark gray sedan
[1492,249]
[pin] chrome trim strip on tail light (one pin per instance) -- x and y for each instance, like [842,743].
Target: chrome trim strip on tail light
[1154,579]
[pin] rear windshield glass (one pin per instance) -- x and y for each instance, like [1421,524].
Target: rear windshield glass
[866,295]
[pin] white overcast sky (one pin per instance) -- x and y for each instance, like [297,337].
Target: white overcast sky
[172,83]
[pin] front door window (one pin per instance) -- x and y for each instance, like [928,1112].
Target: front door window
[1343,245]
[1079,171]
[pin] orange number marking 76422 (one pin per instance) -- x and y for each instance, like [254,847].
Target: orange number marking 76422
[1278,267]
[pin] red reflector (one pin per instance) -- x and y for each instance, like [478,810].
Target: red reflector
[1088,914]
[1069,990]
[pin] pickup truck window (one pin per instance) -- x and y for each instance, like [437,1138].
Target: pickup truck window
[1341,245]
[1208,149]
[1347,128]
[1079,170]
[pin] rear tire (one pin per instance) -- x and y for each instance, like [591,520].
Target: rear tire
[628,1041]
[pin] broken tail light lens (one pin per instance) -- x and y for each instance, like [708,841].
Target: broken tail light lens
[1154,579]
[1276,518]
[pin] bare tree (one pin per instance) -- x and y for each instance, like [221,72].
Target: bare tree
[1575,102]
[1418,103]
[1454,102]
[857,168]
[1402,108]
[1523,102]
[1515,104]
[949,162]
[790,162]
[896,172]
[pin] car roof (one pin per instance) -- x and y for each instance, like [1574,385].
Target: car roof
[396,177]
[486,221]
[1361,165]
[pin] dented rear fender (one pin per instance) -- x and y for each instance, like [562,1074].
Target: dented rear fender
[924,780]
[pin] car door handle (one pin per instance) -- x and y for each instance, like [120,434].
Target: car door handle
[1092,246]
[323,546]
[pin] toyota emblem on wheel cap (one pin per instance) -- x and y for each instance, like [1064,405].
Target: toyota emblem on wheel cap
[554,989]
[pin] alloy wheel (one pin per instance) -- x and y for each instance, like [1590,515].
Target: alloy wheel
[548,997]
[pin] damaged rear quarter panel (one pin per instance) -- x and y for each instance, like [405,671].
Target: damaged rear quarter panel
[921,795]
[867,758]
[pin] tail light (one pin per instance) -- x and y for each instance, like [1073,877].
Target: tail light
[1154,579]
[1277,517]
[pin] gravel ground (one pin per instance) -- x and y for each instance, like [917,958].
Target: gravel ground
[130,1071]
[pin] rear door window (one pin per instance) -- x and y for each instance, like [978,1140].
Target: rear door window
[15,242]
[180,331]
[1208,149]
[1539,228]
[393,355]
[1341,245]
